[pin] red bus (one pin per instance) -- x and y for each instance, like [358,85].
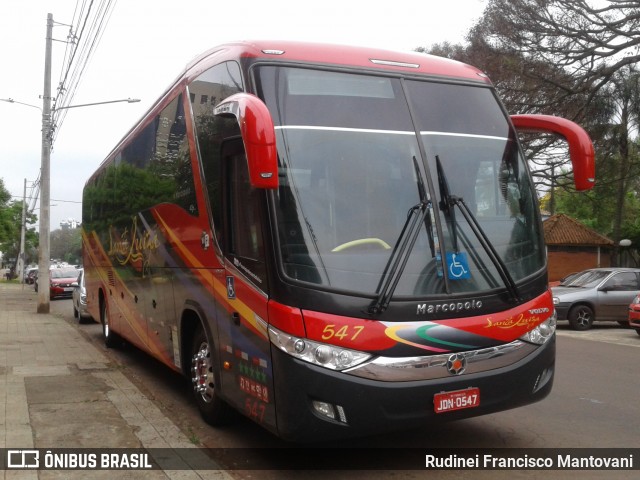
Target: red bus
[335,241]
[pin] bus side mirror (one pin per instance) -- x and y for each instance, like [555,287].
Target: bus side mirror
[580,146]
[258,136]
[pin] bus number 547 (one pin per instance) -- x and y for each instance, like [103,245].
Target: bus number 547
[346,331]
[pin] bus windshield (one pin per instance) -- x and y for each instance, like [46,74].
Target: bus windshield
[358,153]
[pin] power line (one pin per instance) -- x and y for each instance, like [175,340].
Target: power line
[89,34]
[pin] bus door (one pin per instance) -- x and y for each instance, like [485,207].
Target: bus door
[244,340]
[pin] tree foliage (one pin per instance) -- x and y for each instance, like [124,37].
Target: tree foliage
[575,59]
[518,81]
[66,245]
[10,231]
[590,40]
[5,225]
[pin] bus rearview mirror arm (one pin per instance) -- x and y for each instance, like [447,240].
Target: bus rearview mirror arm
[581,149]
[258,136]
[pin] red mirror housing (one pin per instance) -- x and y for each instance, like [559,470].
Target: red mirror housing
[258,136]
[581,148]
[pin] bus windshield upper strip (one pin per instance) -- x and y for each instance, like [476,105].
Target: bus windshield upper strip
[390,132]
[467,135]
[343,129]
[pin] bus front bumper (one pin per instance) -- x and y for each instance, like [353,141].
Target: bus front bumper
[308,396]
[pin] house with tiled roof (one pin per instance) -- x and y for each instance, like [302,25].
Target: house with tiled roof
[572,247]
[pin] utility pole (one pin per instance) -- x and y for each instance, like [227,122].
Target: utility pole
[45,178]
[22,227]
[44,256]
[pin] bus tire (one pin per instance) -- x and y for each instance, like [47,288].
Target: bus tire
[213,409]
[110,338]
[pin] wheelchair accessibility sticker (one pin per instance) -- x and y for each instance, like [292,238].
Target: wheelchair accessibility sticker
[458,266]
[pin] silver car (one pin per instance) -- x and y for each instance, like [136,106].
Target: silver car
[80,299]
[596,294]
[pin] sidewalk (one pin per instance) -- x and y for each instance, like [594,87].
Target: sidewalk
[57,390]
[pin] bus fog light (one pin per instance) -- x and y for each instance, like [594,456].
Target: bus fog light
[325,409]
[329,410]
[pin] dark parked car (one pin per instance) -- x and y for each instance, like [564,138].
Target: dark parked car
[634,314]
[30,276]
[597,294]
[80,299]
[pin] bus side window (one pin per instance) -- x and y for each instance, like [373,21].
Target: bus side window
[243,212]
[216,83]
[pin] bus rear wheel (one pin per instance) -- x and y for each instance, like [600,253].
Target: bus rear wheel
[212,408]
[110,338]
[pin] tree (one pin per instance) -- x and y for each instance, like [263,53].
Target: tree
[521,85]
[5,225]
[613,200]
[10,222]
[573,58]
[66,245]
[626,99]
[591,40]
[10,226]
[596,211]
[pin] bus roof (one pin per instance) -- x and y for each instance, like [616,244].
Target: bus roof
[338,55]
[315,54]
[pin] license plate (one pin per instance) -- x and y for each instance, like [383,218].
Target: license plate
[68,289]
[457,400]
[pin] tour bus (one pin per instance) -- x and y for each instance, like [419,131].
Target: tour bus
[334,241]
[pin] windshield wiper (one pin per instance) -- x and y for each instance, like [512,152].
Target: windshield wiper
[417,215]
[447,204]
[399,257]
[428,219]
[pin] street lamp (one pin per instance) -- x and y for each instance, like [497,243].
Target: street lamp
[45,179]
[44,251]
[128,100]
[11,100]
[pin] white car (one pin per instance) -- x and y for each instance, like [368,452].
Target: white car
[80,299]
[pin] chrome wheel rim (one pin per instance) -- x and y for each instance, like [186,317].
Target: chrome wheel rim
[202,373]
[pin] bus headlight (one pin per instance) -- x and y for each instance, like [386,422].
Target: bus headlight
[322,354]
[542,332]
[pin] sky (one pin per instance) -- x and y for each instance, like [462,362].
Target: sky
[146,45]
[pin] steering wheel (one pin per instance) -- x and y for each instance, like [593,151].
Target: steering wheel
[362,241]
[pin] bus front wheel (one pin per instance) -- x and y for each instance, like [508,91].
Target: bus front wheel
[212,408]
